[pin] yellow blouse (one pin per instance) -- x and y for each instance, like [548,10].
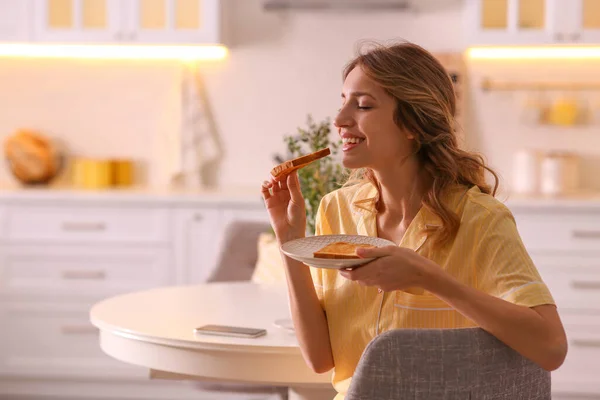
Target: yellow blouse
[487,253]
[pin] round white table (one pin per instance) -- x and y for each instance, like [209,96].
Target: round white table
[154,329]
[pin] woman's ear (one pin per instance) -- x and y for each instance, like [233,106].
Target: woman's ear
[409,135]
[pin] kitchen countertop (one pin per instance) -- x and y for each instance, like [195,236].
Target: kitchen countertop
[242,196]
[166,195]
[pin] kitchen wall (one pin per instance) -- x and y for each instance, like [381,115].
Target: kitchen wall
[280,68]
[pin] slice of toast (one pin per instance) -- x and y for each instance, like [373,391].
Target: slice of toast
[341,250]
[287,167]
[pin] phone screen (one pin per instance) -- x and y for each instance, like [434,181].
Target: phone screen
[224,330]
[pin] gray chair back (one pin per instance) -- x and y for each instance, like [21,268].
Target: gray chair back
[445,364]
[239,251]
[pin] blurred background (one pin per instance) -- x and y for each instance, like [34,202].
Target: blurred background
[141,129]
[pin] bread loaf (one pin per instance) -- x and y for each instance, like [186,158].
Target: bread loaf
[31,156]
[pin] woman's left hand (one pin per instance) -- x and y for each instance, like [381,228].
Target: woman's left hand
[395,268]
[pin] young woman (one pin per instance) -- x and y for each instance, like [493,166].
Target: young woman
[459,261]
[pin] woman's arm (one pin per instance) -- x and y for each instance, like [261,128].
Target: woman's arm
[309,318]
[536,333]
[287,212]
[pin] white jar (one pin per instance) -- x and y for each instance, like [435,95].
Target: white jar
[559,174]
[526,171]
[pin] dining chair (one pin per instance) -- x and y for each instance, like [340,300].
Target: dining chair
[445,364]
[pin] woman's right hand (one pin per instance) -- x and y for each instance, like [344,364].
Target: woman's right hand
[285,204]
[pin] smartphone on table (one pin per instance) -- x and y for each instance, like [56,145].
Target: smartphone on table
[234,331]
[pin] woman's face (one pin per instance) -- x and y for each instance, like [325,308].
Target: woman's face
[366,124]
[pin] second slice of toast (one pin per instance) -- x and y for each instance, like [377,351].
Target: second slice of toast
[341,250]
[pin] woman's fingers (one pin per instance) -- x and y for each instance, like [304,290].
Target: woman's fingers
[266,190]
[293,183]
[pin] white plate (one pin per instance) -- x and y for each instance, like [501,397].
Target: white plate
[304,248]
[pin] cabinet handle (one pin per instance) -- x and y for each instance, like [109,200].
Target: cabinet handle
[132,36]
[83,226]
[586,342]
[119,35]
[575,37]
[198,217]
[87,275]
[559,37]
[593,285]
[586,234]
[78,330]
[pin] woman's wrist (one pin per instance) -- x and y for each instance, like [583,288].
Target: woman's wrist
[287,237]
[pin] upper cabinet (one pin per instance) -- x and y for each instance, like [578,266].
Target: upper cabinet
[533,22]
[178,21]
[13,20]
[110,21]
[79,21]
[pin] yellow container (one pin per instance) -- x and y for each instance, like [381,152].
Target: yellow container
[122,172]
[564,112]
[92,173]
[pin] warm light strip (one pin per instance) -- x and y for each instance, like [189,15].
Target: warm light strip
[496,53]
[129,52]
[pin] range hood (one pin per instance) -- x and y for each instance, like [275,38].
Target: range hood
[276,5]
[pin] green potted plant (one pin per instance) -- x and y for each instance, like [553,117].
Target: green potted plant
[316,180]
[320,177]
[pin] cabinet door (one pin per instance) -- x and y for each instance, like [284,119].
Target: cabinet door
[81,21]
[14,26]
[513,21]
[197,239]
[55,341]
[586,21]
[174,21]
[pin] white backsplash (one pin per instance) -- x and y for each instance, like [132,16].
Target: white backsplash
[280,68]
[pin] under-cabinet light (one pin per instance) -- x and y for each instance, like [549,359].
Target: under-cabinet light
[129,52]
[555,52]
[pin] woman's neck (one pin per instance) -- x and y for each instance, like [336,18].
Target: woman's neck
[402,191]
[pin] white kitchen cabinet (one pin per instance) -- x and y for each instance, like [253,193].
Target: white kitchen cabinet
[197,236]
[174,21]
[13,20]
[564,244]
[89,272]
[126,21]
[42,340]
[533,22]
[61,252]
[586,21]
[78,21]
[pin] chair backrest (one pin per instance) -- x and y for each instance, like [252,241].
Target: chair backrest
[448,364]
[239,251]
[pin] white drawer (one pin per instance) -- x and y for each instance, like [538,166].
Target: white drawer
[83,270]
[55,341]
[574,280]
[86,224]
[580,371]
[559,231]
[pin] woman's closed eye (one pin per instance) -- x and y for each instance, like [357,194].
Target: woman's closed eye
[364,107]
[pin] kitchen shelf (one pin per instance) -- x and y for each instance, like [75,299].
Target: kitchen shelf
[493,85]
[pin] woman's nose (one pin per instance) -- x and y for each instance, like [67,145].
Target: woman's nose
[342,119]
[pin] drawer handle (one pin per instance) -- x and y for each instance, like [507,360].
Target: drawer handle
[586,342]
[593,285]
[84,226]
[78,330]
[91,275]
[586,234]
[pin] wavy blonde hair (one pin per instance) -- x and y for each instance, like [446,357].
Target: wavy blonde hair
[426,107]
